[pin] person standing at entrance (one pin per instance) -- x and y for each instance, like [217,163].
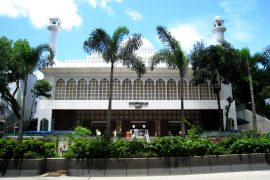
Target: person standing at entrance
[98,134]
[147,138]
[114,135]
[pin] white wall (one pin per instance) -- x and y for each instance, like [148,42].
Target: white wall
[263,124]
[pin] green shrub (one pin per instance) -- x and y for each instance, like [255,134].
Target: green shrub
[32,155]
[118,149]
[69,154]
[178,146]
[251,145]
[90,148]
[49,149]
[34,147]
[7,147]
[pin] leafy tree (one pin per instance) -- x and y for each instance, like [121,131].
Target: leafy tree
[217,64]
[82,132]
[18,59]
[41,88]
[115,51]
[175,58]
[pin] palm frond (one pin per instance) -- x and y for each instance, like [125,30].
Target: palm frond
[166,37]
[163,56]
[119,34]
[98,41]
[135,63]
[132,44]
[42,56]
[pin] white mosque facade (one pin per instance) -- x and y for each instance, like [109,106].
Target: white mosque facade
[81,88]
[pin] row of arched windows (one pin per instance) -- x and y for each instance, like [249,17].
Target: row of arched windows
[132,91]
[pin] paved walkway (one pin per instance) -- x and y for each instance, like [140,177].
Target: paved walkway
[247,175]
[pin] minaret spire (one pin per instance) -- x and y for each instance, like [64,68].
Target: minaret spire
[54,26]
[219,29]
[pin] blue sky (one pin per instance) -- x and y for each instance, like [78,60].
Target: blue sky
[247,21]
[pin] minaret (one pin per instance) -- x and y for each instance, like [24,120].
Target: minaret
[53,27]
[219,29]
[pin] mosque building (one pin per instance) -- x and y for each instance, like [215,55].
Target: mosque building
[152,102]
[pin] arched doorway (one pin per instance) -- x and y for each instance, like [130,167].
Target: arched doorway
[44,124]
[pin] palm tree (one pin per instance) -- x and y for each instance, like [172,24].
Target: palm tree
[250,62]
[175,58]
[115,51]
[30,59]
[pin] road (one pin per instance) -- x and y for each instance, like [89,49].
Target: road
[247,175]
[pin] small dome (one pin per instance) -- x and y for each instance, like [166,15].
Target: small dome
[218,18]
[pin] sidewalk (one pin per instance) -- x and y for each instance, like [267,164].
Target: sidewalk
[245,175]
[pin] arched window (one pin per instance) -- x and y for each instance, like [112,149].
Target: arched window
[193,90]
[138,90]
[160,90]
[184,88]
[93,90]
[60,89]
[149,90]
[82,90]
[44,125]
[116,89]
[71,90]
[204,91]
[213,96]
[104,90]
[126,90]
[171,90]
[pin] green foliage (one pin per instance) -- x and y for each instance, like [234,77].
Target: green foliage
[6,148]
[194,133]
[176,146]
[82,132]
[90,148]
[118,149]
[21,61]
[42,88]
[34,148]
[49,149]
[251,145]
[247,142]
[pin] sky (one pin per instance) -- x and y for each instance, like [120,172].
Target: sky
[247,21]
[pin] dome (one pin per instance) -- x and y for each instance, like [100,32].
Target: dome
[146,46]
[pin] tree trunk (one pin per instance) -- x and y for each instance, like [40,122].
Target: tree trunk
[109,113]
[182,117]
[31,113]
[220,117]
[253,106]
[22,109]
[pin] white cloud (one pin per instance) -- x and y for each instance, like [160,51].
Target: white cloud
[104,4]
[39,11]
[238,12]
[93,3]
[189,33]
[136,16]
